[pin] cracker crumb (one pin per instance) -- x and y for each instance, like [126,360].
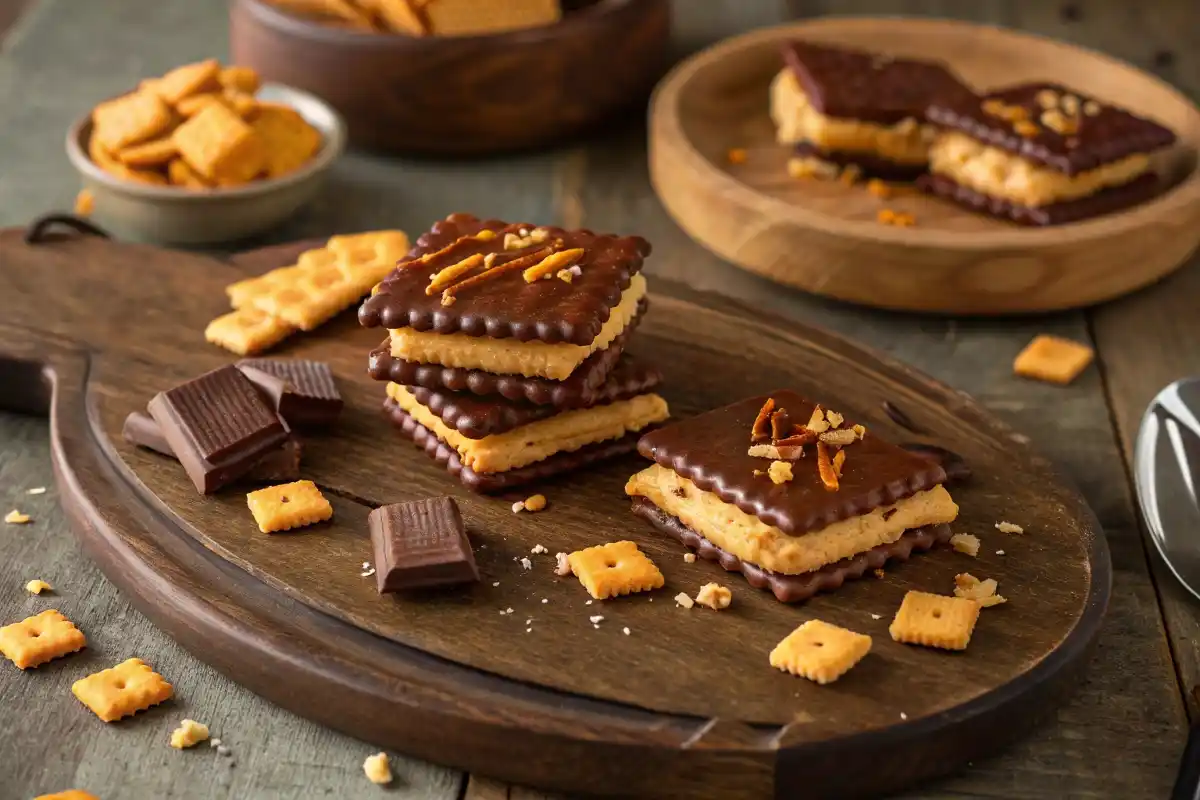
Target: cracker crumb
[366,565]
[562,567]
[15,517]
[1008,527]
[999,552]
[597,619]
[85,203]
[683,600]
[879,189]
[576,270]
[529,630]
[898,219]
[377,769]
[965,543]
[588,603]
[37,586]
[367,573]
[564,275]
[834,419]
[189,734]
[625,631]
[903,715]
[495,583]
[36,490]
[535,503]
[222,750]
[876,616]
[736,155]
[983,592]
[714,596]
[214,742]
[526,563]
[689,558]
[538,550]
[779,472]
[545,600]
[518,507]
[879,573]
[850,174]
[508,611]
[811,168]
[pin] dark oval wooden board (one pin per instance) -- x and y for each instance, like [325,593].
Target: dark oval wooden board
[685,705]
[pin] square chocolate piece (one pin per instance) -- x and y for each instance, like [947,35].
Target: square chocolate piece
[281,464]
[1042,154]
[218,426]
[303,392]
[419,544]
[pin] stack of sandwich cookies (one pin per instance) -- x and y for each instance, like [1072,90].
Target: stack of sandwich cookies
[853,110]
[797,508]
[1042,154]
[504,359]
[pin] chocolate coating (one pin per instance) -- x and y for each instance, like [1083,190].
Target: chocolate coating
[1145,187]
[218,426]
[550,311]
[855,84]
[795,588]
[1108,136]
[486,482]
[710,450]
[872,166]
[476,417]
[580,389]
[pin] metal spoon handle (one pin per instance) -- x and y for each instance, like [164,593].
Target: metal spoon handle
[1187,782]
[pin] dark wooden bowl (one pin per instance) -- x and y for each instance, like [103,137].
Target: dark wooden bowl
[464,95]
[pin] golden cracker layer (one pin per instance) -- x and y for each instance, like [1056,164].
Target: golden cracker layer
[562,433]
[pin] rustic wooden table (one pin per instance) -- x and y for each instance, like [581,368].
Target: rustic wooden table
[1119,736]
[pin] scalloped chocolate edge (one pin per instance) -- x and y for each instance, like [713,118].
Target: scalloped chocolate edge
[487,482]
[579,390]
[795,588]
[377,311]
[1142,188]
[494,415]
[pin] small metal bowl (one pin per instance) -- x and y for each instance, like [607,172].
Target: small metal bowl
[181,216]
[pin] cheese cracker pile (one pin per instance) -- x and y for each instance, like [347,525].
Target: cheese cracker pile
[427,17]
[199,126]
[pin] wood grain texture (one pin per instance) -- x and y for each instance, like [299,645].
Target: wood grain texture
[465,95]
[908,717]
[823,236]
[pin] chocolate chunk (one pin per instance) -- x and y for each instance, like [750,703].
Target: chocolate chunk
[1107,134]
[854,84]
[872,165]
[420,544]
[581,389]
[795,588]
[487,482]
[954,464]
[1139,190]
[476,417]
[218,426]
[303,392]
[711,451]
[281,464]
[550,311]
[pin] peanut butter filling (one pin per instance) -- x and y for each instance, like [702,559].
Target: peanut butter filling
[747,537]
[530,443]
[512,356]
[998,173]
[906,142]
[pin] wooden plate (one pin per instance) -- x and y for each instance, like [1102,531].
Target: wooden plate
[685,704]
[823,237]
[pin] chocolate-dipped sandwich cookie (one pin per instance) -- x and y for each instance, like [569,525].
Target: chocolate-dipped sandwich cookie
[1042,154]
[504,359]
[852,108]
[792,495]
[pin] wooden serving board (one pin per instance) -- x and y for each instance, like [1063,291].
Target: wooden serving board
[685,704]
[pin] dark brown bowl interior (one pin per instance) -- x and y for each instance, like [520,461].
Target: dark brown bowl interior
[464,95]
